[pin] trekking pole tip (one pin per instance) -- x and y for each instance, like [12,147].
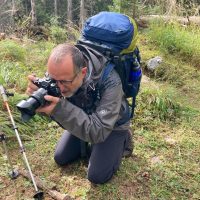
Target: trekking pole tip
[38,195]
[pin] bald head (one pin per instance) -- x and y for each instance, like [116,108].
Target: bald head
[60,52]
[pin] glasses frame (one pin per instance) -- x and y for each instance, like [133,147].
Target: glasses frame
[66,82]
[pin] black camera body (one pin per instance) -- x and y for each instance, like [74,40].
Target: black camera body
[47,86]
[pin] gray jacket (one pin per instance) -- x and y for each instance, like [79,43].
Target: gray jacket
[85,115]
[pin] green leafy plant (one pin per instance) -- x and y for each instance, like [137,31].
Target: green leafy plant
[159,105]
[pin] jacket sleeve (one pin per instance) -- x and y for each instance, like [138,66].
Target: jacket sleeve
[96,127]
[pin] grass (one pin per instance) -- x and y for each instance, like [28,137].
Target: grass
[165,164]
[173,171]
[26,130]
[11,50]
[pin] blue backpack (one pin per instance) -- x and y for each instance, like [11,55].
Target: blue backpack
[115,35]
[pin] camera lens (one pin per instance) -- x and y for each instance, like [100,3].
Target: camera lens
[28,107]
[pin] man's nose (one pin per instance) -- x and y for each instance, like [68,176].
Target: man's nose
[61,87]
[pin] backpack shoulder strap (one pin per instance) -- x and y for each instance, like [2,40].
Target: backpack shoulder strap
[107,70]
[105,73]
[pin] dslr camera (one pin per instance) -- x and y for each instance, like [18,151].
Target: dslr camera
[47,86]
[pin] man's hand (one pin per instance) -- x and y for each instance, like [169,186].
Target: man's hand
[31,86]
[51,103]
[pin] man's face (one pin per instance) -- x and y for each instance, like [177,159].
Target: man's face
[67,79]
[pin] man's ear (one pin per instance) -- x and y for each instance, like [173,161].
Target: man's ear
[84,71]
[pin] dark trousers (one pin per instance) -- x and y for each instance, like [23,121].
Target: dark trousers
[105,157]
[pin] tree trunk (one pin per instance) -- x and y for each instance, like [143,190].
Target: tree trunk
[171,10]
[33,13]
[56,8]
[134,10]
[82,13]
[120,6]
[69,11]
[13,8]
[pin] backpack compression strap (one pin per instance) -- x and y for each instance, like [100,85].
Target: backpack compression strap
[132,45]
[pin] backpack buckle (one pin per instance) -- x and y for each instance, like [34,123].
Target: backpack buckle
[115,59]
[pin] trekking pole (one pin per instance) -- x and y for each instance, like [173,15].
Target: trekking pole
[14,173]
[39,194]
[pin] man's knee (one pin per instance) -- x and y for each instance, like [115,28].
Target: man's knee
[99,176]
[59,160]
[62,159]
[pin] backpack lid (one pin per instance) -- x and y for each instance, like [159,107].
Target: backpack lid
[109,28]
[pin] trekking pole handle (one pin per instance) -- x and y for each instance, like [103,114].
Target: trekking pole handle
[3,93]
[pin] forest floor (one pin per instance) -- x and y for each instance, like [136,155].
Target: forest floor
[165,163]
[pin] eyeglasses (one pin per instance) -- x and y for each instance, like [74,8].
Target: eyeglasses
[66,82]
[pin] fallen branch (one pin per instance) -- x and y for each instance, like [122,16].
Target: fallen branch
[182,20]
[53,193]
[20,39]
